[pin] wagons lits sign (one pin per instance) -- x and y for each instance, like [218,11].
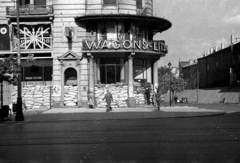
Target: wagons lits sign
[157,46]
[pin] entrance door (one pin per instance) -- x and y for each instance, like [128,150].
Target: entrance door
[110,74]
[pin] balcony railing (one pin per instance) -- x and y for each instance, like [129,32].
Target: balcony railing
[30,10]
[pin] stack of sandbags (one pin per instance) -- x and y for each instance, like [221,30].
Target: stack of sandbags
[140,99]
[119,93]
[70,95]
[33,96]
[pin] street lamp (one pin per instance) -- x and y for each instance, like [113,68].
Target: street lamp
[1,81]
[169,64]
[19,112]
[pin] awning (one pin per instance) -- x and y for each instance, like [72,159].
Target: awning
[32,23]
[153,23]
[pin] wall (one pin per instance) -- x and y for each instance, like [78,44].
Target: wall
[64,16]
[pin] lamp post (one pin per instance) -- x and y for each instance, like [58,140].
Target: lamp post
[238,82]
[19,112]
[1,81]
[170,101]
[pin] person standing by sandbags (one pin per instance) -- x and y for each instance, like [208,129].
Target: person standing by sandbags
[147,92]
[109,99]
[158,98]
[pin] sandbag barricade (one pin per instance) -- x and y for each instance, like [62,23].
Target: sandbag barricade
[33,97]
[70,95]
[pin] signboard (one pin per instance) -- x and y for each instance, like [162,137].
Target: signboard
[157,46]
[4,35]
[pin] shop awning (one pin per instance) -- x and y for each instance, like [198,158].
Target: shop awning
[153,23]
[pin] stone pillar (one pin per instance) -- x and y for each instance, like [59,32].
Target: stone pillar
[91,75]
[155,74]
[126,74]
[122,79]
[62,83]
[149,71]
[98,71]
[95,72]
[131,99]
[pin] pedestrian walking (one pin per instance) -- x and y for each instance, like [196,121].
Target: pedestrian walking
[158,98]
[90,101]
[108,97]
[147,92]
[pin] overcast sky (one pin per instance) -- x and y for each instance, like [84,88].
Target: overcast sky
[197,26]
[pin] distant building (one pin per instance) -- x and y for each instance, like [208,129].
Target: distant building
[218,68]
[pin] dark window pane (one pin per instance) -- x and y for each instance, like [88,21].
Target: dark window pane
[48,73]
[110,2]
[24,2]
[40,2]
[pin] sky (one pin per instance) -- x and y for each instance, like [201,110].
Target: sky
[197,26]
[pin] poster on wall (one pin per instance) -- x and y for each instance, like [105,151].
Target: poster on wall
[56,90]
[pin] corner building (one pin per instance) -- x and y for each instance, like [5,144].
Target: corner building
[94,42]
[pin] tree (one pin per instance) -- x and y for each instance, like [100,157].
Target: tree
[167,80]
[7,69]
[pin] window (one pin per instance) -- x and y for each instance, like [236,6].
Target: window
[110,2]
[139,4]
[24,2]
[40,2]
[34,2]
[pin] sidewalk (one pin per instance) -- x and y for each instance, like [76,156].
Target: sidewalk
[140,112]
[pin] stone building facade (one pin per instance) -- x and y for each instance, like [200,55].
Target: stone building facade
[82,43]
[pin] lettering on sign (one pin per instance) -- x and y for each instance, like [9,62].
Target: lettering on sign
[158,46]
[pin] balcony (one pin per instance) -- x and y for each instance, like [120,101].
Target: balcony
[29,10]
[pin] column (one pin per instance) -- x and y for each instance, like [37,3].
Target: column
[122,70]
[149,71]
[131,99]
[155,73]
[95,72]
[98,71]
[91,75]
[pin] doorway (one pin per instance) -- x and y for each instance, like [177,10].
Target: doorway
[110,73]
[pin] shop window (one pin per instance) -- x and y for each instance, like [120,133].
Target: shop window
[34,2]
[111,31]
[40,2]
[24,2]
[107,31]
[91,32]
[110,2]
[121,31]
